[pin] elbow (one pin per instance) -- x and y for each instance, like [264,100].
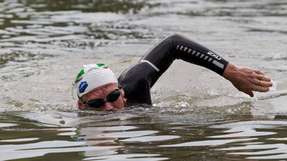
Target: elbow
[175,37]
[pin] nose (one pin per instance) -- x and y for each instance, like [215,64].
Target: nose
[108,106]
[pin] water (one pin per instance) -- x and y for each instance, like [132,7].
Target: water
[196,115]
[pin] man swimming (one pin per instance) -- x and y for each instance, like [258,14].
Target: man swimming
[98,88]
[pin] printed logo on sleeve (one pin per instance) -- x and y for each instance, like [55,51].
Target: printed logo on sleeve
[214,55]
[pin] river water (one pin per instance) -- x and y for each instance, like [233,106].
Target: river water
[196,115]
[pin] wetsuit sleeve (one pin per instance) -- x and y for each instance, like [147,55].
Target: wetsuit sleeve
[138,79]
[179,47]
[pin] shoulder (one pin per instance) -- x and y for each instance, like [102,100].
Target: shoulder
[137,72]
[135,83]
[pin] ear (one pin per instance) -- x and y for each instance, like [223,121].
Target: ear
[122,92]
[81,106]
[123,96]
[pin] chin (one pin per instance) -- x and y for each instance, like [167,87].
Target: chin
[119,108]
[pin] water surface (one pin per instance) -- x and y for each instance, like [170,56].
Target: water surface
[196,115]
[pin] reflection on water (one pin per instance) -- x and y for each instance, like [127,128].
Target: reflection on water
[196,114]
[141,138]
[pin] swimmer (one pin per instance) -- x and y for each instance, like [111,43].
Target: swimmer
[98,88]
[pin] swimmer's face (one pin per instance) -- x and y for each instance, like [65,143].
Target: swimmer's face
[99,97]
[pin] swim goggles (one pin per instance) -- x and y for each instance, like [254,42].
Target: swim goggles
[98,102]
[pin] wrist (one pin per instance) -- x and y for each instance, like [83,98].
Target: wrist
[230,71]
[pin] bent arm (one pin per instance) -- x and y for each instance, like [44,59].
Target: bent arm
[157,61]
[174,47]
[178,47]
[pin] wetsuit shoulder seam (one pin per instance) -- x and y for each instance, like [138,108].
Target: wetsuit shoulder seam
[152,65]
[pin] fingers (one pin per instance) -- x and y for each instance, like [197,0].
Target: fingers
[262,83]
[249,80]
[259,72]
[260,88]
[257,89]
[250,93]
[261,76]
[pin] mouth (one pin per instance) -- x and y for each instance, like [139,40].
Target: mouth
[109,108]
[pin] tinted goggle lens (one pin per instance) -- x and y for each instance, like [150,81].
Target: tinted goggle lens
[113,96]
[96,103]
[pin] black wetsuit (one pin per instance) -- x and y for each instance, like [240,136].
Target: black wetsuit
[138,79]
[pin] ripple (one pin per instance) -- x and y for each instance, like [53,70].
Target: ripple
[67,134]
[67,131]
[5,58]
[114,128]
[278,139]
[277,56]
[270,151]
[121,135]
[116,6]
[19,140]
[129,157]
[80,18]
[220,8]
[267,31]
[251,124]
[7,125]
[248,129]
[46,147]
[207,143]
[151,138]
[245,133]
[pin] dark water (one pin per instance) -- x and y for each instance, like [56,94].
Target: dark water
[197,115]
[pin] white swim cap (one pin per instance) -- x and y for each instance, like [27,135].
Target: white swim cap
[92,76]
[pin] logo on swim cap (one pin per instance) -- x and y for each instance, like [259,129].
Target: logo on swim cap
[80,75]
[83,86]
[92,76]
[99,66]
[86,68]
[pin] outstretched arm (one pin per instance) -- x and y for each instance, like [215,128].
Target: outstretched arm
[178,47]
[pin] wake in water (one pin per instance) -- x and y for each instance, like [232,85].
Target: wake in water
[278,90]
[273,94]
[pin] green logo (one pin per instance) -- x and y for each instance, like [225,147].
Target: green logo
[80,75]
[87,68]
[100,66]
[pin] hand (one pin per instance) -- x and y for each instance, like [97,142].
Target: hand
[247,80]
